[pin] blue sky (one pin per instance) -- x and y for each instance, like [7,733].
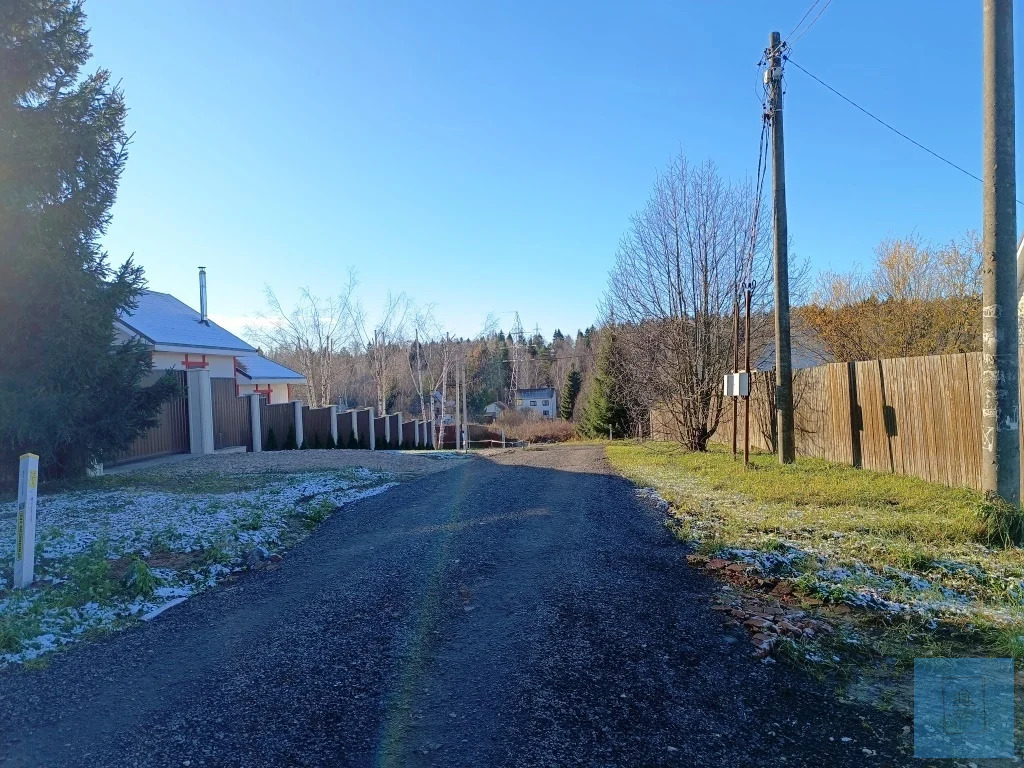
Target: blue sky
[486,157]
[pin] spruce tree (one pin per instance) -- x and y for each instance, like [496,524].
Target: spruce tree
[331,442]
[601,410]
[289,440]
[570,391]
[70,390]
[271,441]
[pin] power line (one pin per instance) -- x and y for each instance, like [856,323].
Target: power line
[806,14]
[804,31]
[879,120]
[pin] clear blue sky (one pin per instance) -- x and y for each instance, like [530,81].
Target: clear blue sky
[486,157]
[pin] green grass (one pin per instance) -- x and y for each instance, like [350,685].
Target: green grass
[870,524]
[879,519]
[850,518]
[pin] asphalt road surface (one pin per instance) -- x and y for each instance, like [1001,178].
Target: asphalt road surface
[522,610]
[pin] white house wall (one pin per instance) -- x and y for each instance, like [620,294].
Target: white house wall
[220,366]
[278,392]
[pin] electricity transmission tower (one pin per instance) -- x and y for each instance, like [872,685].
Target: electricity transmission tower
[515,360]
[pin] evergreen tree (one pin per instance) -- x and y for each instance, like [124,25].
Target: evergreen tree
[601,410]
[570,391]
[289,441]
[331,442]
[271,441]
[70,391]
[316,441]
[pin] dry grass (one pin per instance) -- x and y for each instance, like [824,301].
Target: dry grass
[539,430]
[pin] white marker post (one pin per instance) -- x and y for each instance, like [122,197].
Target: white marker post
[25,545]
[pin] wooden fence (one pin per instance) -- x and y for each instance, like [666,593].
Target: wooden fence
[316,426]
[379,432]
[170,435]
[232,421]
[916,416]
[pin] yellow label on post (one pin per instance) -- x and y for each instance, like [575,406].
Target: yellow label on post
[20,549]
[33,478]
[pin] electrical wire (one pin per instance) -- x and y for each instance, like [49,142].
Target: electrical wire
[806,14]
[791,43]
[879,120]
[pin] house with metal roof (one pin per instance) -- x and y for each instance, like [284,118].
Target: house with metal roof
[256,374]
[181,338]
[543,401]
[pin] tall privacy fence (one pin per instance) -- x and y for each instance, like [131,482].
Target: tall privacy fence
[209,415]
[914,416]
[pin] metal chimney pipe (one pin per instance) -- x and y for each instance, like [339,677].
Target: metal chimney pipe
[202,297]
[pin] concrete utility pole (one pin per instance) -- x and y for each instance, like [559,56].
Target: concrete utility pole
[783,355]
[1000,394]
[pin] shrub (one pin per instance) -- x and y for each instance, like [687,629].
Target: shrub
[138,579]
[271,441]
[352,442]
[289,441]
[331,442]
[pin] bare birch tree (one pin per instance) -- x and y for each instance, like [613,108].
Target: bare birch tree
[678,270]
[384,343]
[311,336]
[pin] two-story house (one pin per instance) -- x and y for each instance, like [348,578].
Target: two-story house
[542,401]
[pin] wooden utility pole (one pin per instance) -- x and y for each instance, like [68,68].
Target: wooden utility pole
[783,356]
[458,412]
[1000,398]
[465,411]
[735,367]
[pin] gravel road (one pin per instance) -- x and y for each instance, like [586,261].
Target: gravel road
[516,610]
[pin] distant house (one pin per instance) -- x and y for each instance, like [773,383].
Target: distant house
[181,338]
[543,401]
[494,410]
[806,351]
[254,373]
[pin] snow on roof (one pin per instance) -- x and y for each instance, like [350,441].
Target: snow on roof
[259,368]
[162,319]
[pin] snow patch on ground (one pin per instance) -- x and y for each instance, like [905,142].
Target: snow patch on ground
[81,532]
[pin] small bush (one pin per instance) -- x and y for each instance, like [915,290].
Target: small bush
[317,513]
[271,441]
[352,442]
[289,441]
[305,445]
[331,442]
[138,579]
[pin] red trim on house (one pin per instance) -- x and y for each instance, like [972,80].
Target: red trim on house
[194,363]
[234,367]
[268,392]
